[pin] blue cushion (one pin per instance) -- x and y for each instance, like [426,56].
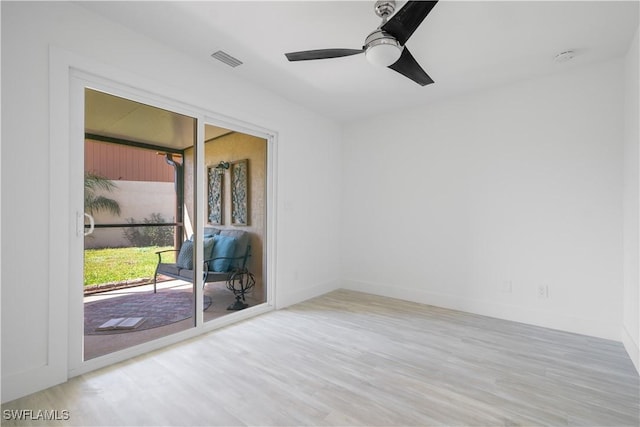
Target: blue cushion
[242,241]
[185,257]
[223,246]
[207,248]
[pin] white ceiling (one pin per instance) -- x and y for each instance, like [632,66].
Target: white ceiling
[463,46]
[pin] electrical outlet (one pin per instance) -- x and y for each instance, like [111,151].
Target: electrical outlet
[543,291]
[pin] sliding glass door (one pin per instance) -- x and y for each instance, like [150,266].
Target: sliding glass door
[171,222]
[139,214]
[235,169]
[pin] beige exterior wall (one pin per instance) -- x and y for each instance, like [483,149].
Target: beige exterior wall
[231,148]
[138,200]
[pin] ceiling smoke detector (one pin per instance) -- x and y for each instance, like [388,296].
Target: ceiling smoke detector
[564,56]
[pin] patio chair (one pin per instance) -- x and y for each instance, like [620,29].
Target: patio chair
[225,251]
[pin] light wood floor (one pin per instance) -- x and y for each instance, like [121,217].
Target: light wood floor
[349,358]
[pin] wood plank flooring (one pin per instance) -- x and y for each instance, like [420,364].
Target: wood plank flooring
[349,358]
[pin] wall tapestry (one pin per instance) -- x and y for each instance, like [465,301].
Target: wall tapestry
[215,195]
[239,192]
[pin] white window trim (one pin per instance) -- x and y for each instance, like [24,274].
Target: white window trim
[69,74]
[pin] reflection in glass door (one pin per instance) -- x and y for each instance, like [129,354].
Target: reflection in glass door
[138,214]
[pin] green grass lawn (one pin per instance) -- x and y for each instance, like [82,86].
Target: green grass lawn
[122,264]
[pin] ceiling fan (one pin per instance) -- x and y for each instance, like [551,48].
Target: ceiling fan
[386,45]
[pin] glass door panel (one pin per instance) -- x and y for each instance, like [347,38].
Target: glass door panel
[138,217]
[235,169]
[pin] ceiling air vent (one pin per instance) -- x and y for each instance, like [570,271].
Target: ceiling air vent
[226,58]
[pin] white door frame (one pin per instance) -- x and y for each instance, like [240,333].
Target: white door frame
[69,75]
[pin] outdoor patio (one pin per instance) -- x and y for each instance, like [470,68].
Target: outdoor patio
[96,343]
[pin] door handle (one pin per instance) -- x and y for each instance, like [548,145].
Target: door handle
[92,224]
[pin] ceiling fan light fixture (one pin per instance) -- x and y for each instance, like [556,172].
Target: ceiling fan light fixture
[565,56]
[385,47]
[382,49]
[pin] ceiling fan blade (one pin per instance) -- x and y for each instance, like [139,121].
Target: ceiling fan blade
[408,19]
[409,67]
[307,55]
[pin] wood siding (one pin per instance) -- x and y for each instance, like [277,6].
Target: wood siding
[121,162]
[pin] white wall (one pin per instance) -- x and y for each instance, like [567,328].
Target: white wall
[32,348]
[631,318]
[443,205]
[518,186]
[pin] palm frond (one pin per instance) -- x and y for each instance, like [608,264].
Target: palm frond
[94,203]
[94,182]
[101,203]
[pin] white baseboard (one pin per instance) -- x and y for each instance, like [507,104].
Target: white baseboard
[21,384]
[632,346]
[285,299]
[601,328]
